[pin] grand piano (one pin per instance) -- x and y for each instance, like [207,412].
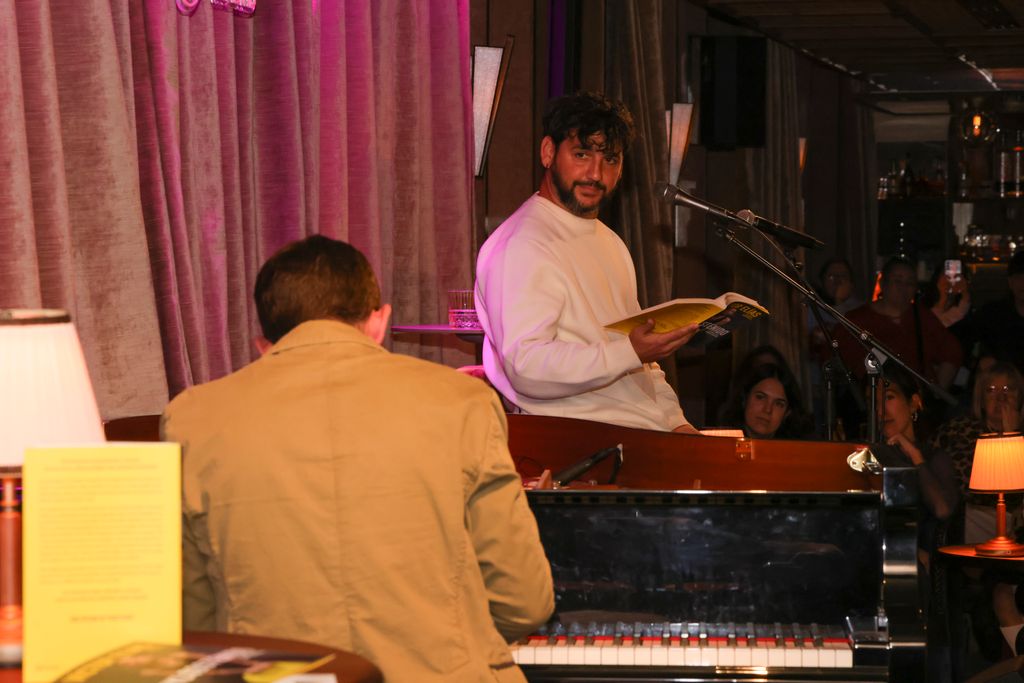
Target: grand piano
[721,559]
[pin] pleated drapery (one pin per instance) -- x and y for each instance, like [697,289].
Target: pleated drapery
[153,161]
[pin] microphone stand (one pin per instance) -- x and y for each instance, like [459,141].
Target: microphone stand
[877,352]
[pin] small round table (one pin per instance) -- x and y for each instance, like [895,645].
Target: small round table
[966,554]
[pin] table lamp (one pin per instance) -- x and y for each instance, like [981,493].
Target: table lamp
[47,399]
[998,468]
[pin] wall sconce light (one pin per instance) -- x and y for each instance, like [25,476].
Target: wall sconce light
[490,67]
[48,400]
[679,124]
[999,467]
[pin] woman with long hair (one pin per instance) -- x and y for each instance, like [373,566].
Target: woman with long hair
[766,403]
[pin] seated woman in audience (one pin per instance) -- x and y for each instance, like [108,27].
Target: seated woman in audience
[766,404]
[996,407]
[901,407]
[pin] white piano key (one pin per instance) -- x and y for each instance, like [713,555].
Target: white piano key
[609,654]
[727,655]
[844,656]
[526,654]
[776,656]
[708,655]
[576,654]
[591,655]
[560,652]
[809,656]
[626,654]
[743,655]
[759,655]
[826,657]
[644,654]
[542,654]
[659,655]
[677,655]
[691,654]
[793,657]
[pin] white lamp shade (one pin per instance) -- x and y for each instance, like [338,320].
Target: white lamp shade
[998,464]
[46,396]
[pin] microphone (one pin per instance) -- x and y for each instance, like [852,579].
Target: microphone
[785,235]
[674,195]
[575,471]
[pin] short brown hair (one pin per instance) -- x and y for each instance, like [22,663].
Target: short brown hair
[585,114]
[314,279]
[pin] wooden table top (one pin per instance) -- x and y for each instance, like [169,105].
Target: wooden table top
[346,666]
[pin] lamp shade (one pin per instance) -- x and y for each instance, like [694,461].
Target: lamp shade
[998,464]
[47,397]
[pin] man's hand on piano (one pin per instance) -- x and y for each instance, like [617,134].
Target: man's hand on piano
[651,346]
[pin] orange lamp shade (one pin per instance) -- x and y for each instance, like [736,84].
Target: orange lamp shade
[998,464]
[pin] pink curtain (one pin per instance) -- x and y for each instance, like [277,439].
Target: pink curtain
[153,161]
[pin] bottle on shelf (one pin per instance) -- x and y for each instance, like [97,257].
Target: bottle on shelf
[1017,167]
[1004,177]
[963,189]
[892,186]
[938,184]
[907,179]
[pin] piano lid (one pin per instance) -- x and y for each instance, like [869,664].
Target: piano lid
[667,461]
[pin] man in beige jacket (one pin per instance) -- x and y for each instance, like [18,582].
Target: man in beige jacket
[337,493]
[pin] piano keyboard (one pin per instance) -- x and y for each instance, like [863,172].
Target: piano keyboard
[687,644]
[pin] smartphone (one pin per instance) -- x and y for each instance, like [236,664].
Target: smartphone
[954,270]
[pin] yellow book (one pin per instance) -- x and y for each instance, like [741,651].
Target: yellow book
[717,317]
[101,553]
[154,663]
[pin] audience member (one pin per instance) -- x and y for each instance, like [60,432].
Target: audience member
[337,493]
[996,407]
[909,330]
[950,301]
[766,403]
[999,325]
[901,405]
[837,289]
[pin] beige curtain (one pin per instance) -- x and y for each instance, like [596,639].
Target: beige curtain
[71,217]
[634,75]
[153,161]
[773,179]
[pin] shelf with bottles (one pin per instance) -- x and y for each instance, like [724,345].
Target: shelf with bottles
[987,150]
[982,247]
[915,171]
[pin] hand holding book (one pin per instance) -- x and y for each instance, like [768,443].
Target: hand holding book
[715,318]
[651,346]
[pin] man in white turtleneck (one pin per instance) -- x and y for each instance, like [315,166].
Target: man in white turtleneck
[552,276]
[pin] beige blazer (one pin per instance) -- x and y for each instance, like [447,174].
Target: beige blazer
[337,493]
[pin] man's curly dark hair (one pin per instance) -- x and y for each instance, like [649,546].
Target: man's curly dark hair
[585,114]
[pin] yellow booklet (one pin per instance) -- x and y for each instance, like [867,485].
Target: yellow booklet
[717,317]
[102,552]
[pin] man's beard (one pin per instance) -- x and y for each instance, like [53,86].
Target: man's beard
[567,195]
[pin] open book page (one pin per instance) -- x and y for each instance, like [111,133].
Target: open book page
[723,313]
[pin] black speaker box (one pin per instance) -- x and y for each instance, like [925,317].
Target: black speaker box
[732,91]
